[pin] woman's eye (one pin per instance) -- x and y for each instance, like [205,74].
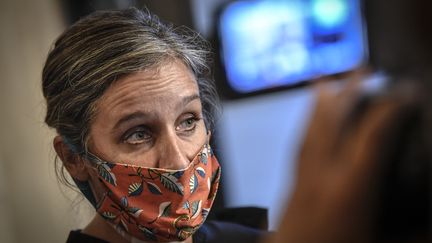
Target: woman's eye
[138,137]
[187,125]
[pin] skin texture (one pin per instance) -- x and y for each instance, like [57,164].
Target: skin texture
[149,119]
[152,118]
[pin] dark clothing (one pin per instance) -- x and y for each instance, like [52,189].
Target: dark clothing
[218,231]
[227,225]
[210,232]
[76,236]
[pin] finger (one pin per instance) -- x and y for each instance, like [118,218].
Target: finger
[372,131]
[331,110]
[320,128]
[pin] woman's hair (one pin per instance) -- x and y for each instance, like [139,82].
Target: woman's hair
[106,46]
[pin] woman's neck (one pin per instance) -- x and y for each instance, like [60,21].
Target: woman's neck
[99,228]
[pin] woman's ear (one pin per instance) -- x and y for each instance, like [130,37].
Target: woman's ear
[73,163]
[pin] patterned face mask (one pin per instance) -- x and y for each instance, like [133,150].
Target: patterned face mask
[153,204]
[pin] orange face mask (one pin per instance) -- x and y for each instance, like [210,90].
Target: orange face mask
[153,204]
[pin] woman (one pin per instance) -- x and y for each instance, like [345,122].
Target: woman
[133,104]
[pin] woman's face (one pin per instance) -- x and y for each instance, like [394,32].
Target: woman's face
[151,118]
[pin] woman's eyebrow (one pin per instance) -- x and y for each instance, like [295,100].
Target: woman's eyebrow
[187,99]
[133,116]
[138,115]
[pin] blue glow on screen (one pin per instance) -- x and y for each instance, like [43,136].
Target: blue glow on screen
[330,13]
[276,43]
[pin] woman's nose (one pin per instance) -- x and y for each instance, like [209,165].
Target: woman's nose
[171,154]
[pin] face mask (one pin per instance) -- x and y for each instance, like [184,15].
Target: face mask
[152,204]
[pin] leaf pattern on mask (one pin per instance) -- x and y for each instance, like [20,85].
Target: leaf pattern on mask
[148,233]
[210,151]
[185,233]
[183,217]
[200,171]
[203,157]
[178,174]
[215,175]
[124,202]
[185,201]
[136,212]
[122,225]
[164,211]
[214,178]
[104,171]
[196,207]
[186,205]
[135,189]
[205,212]
[153,188]
[109,215]
[193,183]
[170,182]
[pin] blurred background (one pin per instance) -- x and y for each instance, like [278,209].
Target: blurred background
[267,53]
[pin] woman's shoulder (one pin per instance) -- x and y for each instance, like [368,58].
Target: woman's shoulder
[76,236]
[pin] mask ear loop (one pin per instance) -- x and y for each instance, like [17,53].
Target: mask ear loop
[83,186]
[87,188]
[93,162]
[93,159]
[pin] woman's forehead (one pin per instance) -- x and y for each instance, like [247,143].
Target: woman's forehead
[165,87]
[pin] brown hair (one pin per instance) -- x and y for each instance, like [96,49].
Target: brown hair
[106,46]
